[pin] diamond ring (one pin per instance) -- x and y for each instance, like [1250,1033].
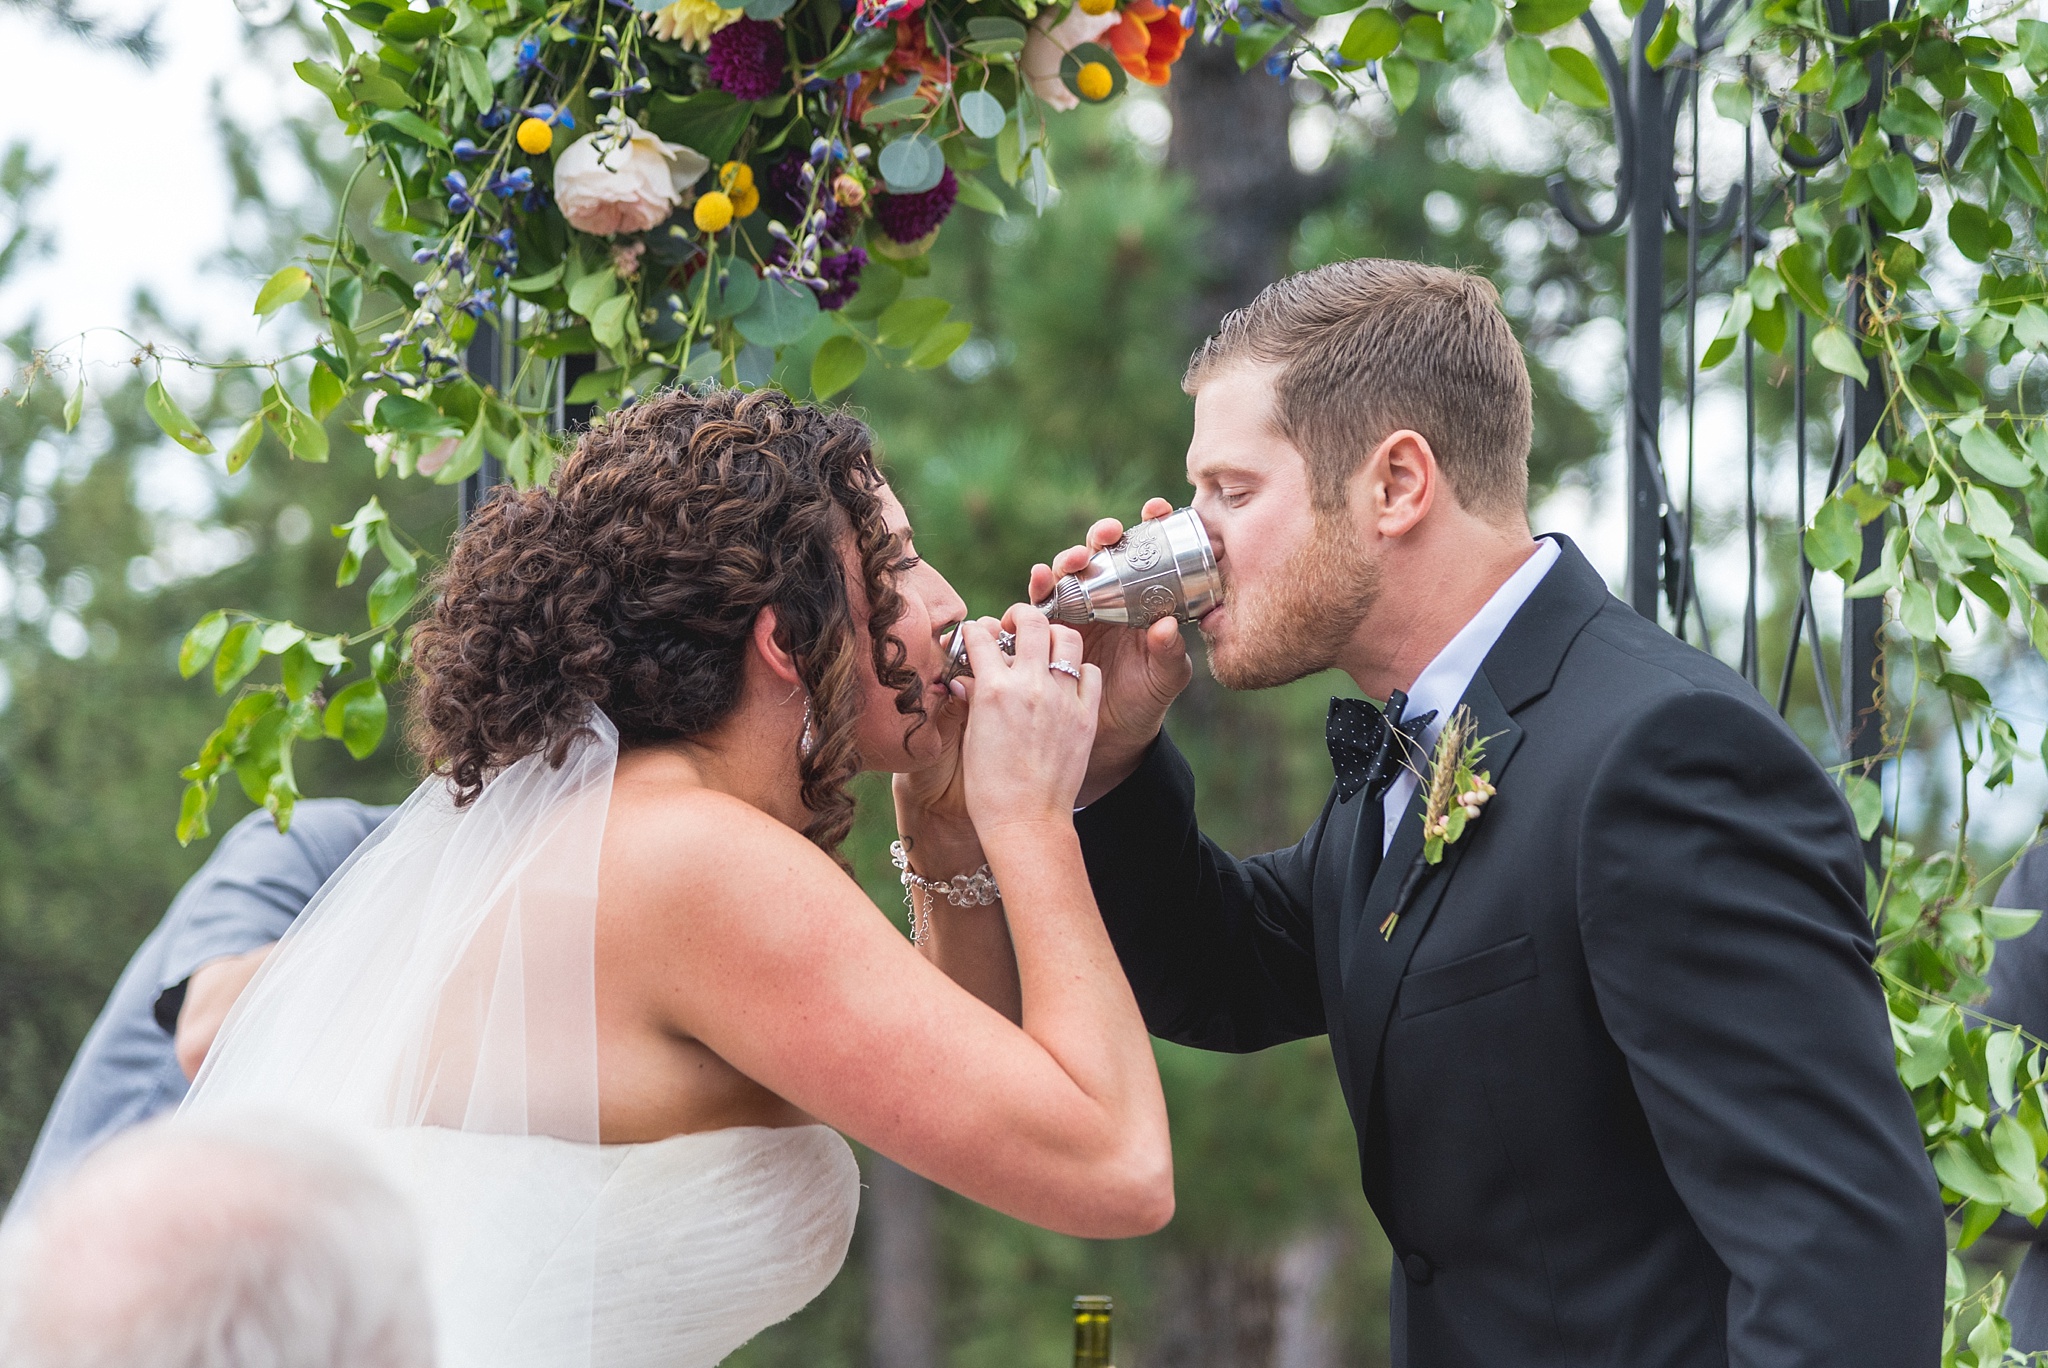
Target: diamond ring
[1066,667]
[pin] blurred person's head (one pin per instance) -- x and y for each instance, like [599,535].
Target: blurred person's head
[1359,426]
[229,1242]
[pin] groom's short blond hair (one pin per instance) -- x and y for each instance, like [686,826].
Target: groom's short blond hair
[1372,346]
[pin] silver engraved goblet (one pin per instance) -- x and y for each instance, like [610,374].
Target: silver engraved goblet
[1163,567]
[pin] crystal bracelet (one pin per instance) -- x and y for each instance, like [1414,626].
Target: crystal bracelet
[962,890]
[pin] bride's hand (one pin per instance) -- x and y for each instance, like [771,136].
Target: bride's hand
[1030,727]
[935,794]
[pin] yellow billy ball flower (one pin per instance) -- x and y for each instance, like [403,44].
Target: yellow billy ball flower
[1094,81]
[745,201]
[736,177]
[535,137]
[713,212]
[1097,6]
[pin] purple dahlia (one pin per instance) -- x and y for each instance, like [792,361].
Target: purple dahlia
[841,274]
[906,218]
[746,59]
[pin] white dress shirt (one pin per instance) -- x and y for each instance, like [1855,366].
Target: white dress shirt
[1444,680]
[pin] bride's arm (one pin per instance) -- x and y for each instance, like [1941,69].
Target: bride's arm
[752,941]
[970,945]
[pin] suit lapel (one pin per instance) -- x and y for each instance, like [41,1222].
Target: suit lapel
[1408,889]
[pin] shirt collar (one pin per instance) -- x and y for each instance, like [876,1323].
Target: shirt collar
[1444,680]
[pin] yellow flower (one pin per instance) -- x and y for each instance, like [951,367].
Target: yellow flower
[745,201]
[1093,81]
[735,177]
[692,22]
[714,211]
[1097,6]
[535,137]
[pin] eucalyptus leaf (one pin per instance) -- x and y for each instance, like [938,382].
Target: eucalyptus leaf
[912,164]
[782,312]
[982,113]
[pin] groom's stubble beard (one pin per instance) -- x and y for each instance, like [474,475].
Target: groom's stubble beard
[1295,625]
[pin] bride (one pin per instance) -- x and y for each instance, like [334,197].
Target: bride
[603,995]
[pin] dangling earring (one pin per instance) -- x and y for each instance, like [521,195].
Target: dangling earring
[805,742]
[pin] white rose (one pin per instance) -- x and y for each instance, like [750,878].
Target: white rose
[629,189]
[1049,43]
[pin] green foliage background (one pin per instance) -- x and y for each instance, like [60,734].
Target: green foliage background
[1071,408]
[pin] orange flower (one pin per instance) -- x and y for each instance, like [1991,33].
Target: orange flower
[1148,41]
[913,55]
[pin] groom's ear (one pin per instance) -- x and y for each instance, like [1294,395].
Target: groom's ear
[772,650]
[1403,482]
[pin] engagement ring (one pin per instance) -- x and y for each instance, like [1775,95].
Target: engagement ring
[1066,667]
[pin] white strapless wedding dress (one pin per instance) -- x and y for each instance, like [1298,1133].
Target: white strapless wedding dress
[438,1001]
[663,1255]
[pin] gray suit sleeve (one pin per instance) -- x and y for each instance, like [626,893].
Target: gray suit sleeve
[257,880]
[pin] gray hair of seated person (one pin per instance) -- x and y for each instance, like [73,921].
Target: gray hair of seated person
[233,1241]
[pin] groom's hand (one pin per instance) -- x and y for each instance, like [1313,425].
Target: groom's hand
[1142,672]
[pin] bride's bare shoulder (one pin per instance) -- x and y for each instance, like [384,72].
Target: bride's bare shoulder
[670,843]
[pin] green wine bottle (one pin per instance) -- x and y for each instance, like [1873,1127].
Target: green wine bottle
[1091,1332]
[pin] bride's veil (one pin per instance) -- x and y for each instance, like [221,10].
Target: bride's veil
[444,981]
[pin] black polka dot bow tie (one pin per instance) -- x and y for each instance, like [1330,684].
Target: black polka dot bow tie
[1363,748]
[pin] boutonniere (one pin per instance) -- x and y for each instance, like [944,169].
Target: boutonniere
[1458,788]
[1455,792]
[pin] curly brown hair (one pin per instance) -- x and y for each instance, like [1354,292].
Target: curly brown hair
[632,585]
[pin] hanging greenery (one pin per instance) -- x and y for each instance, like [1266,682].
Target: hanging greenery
[684,190]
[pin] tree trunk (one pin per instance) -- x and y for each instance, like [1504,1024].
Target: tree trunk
[902,1267]
[1230,140]
[1216,1312]
[1303,1334]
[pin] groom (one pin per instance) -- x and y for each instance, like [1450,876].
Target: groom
[1618,1063]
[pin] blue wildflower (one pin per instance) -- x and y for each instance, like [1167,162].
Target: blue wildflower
[506,184]
[529,55]
[424,255]
[496,117]
[459,200]
[465,150]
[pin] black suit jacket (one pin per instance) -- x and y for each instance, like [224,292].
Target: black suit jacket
[1621,1072]
[2019,996]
